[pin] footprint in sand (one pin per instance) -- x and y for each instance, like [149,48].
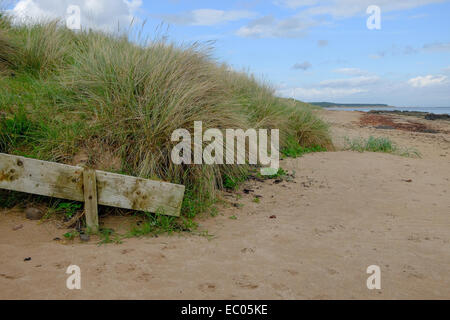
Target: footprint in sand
[124,268]
[207,287]
[8,277]
[332,272]
[61,265]
[244,282]
[101,268]
[146,277]
[292,272]
[126,251]
[283,291]
[169,247]
[412,272]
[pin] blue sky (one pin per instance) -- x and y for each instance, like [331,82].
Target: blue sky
[312,50]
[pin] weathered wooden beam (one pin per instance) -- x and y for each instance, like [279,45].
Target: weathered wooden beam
[66,182]
[90,199]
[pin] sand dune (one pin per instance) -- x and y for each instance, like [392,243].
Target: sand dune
[309,238]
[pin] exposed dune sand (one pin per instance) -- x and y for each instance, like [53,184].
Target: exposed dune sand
[311,238]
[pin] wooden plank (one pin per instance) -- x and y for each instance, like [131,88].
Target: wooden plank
[90,199]
[66,182]
[41,177]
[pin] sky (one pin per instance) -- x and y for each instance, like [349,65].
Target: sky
[311,50]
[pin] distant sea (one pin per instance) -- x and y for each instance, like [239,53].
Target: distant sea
[438,110]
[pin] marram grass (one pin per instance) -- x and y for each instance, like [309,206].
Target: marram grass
[379,144]
[66,96]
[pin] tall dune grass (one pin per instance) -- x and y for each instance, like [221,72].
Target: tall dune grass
[7,49]
[118,103]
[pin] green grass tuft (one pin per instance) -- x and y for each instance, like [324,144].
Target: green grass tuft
[380,144]
[293,149]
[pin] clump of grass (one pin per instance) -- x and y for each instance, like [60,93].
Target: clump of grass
[232,183]
[90,92]
[6,51]
[379,144]
[293,149]
[41,48]
[15,131]
[108,236]
[308,129]
[155,224]
[71,235]
[69,209]
[280,173]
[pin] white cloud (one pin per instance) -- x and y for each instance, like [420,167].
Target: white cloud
[437,46]
[322,43]
[302,66]
[396,50]
[427,81]
[419,16]
[208,17]
[99,14]
[351,8]
[351,71]
[333,89]
[392,92]
[294,4]
[318,12]
[351,82]
[269,27]
[327,94]
[377,56]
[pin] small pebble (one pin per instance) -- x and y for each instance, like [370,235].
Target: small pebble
[33,214]
[84,237]
[20,226]
[27,259]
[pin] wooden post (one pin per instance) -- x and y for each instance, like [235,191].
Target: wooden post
[90,199]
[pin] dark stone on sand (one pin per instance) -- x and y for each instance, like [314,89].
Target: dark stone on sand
[432,116]
[27,259]
[18,227]
[84,237]
[34,214]
[400,112]
[425,115]
[429,131]
[385,127]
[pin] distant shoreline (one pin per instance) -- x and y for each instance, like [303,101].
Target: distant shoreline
[404,110]
[350,105]
[359,106]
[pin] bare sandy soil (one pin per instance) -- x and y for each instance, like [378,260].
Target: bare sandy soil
[310,238]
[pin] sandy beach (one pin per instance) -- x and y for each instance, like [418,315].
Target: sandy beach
[309,238]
